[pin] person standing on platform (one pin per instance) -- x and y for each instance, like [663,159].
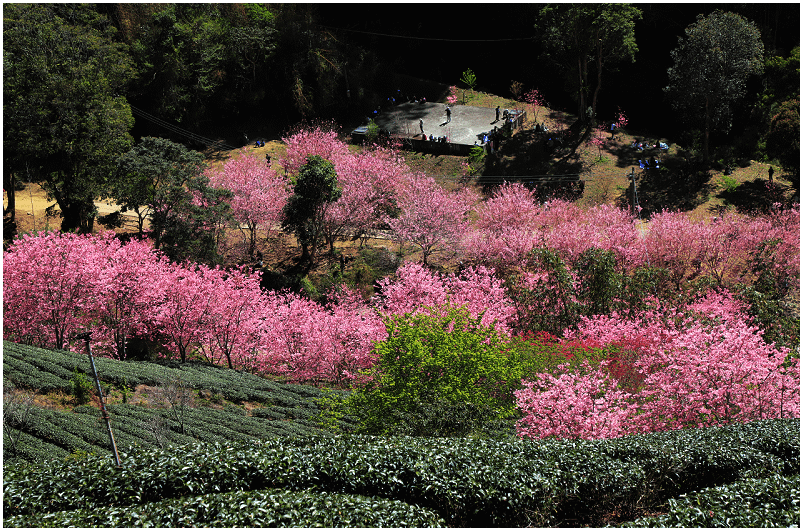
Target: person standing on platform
[447,111]
[771,172]
[497,114]
[421,130]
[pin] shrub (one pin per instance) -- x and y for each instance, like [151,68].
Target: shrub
[445,356]
[81,387]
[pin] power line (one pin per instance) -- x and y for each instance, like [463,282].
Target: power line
[427,38]
[180,131]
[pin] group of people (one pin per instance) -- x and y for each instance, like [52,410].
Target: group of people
[260,143]
[396,99]
[641,146]
[434,138]
[490,140]
[650,164]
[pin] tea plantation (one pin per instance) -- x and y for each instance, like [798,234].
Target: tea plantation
[283,463]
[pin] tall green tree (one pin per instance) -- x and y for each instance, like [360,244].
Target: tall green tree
[152,177]
[166,182]
[65,121]
[317,187]
[783,139]
[198,59]
[581,39]
[782,77]
[711,68]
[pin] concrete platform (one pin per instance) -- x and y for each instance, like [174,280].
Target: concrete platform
[466,128]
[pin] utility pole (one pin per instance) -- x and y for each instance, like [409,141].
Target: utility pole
[87,336]
[634,196]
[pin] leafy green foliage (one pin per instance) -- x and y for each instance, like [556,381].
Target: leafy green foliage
[81,387]
[446,356]
[316,187]
[783,139]
[580,38]
[469,79]
[766,299]
[468,482]
[64,120]
[712,65]
[750,503]
[782,77]
[264,508]
[150,178]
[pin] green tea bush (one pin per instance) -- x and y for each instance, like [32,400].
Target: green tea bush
[265,508]
[468,482]
[749,503]
[19,366]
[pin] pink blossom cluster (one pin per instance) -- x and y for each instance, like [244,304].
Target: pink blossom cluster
[513,222]
[535,99]
[510,224]
[452,98]
[57,285]
[370,181]
[417,289]
[621,119]
[431,217]
[259,194]
[703,365]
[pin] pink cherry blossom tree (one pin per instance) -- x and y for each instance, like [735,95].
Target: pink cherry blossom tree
[369,181]
[417,289]
[598,139]
[535,99]
[431,218]
[185,309]
[259,194]
[307,342]
[48,286]
[582,404]
[230,332]
[125,291]
[701,365]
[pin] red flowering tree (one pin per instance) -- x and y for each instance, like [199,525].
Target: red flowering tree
[703,365]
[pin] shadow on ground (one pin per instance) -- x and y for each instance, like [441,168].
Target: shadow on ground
[757,196]
[544,161]
[669,189]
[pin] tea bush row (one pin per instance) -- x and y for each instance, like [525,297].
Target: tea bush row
[83,430]
[265,508]
[749,503]
[47,370]
[26,375]
[469,482]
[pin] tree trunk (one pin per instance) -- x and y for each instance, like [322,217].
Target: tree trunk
[10,185]
[599,73]
[708,129]
[581,106]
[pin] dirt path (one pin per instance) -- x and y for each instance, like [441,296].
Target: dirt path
[32,205]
